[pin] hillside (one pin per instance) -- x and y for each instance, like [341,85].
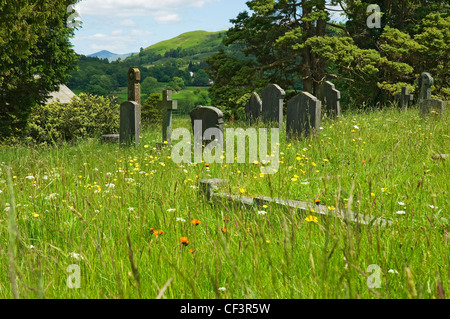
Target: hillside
[189,46]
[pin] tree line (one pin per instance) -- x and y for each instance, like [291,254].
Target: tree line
[297,45]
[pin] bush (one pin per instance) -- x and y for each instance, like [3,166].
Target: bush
[150,113]
[85,116]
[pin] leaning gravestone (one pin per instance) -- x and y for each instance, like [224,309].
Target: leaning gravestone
[331,99]
[427,104]
[204,118]
[404,98]
[129,123]
[272,104]
[167,105]
[253,108]
[303,114]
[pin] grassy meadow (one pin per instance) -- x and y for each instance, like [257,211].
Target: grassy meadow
[134,223]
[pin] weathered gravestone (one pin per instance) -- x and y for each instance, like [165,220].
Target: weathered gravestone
[167,105]
[134,94]
[427,104]
[253,108]
[426,82]
[129,123]
[303,114]
[331,100]
[272,104]
[204,118]
[134,87]
[404,98]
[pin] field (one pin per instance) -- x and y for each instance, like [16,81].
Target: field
[133,222]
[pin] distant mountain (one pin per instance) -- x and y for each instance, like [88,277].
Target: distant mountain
[104,54]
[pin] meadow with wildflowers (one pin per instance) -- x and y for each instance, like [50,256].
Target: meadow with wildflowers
[133,222]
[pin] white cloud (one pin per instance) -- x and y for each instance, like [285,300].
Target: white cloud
[128,23]
[117,32]
[168,18]
[162,11]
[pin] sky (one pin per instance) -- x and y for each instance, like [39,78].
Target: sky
[124,26]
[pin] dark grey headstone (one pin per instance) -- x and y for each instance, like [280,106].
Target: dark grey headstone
[210,117]
[253,108]
[404,98]
[167,105]
[303,114]
[426,82]
[130,126]
[272,104]
[331,99]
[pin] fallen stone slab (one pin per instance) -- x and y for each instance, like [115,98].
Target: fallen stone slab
[210,188]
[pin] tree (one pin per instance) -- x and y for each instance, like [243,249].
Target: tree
[35,55]
[296,45]
[177,84]
[149,85]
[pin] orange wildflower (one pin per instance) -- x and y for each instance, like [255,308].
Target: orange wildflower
[184,241]
[196,222]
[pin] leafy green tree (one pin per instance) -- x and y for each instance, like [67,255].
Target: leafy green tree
[149,85]
[35,55]
[177,84]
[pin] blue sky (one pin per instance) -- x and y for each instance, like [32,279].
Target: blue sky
[124,26]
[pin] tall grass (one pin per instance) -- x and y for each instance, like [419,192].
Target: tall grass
[94,205]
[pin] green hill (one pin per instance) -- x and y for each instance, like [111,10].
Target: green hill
[189,46]
[199,40]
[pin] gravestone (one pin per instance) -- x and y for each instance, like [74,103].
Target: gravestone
[427,104]
[110,138]
[426,82]
[210,117]
[129,123]
[134,94]
[331,99]
[167,105]
[404,98]
[253,108]
[272,104]
[134,87]
[303,115]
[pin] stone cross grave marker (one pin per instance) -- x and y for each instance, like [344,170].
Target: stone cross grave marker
[331,99]
[427,104]
[303,114]
[272,104]
[129,123]
[208,117]
[404,98]
[167,105]
[253,108]
[134,87]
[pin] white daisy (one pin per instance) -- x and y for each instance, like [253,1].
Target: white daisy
[401,212]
